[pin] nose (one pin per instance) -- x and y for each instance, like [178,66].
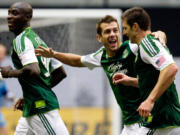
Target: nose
[112,33]
[9,16]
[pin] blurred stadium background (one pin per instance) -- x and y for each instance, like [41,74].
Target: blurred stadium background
[87,104]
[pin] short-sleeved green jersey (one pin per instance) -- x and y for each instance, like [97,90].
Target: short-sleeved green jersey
[151,59]
[127,97]
[37,93]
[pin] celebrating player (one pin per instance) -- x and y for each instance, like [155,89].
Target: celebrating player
[37,75]
[114,57]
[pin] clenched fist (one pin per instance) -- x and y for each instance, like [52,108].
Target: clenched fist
[5,71]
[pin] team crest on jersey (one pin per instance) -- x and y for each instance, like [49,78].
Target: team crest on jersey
[125,54]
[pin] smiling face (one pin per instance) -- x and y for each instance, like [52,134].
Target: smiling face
[110,37]
[19,15]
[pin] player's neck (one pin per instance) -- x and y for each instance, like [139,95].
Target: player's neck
[141,35]
[21,29]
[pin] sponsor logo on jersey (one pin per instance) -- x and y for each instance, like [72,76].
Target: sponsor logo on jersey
[116,68]
[40,104]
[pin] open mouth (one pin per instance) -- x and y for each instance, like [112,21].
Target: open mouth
[112,42]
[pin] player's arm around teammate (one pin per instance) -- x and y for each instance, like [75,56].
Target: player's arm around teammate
[75,59]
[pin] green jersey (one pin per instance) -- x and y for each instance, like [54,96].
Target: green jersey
[151,59]
[37,93]
[127,97]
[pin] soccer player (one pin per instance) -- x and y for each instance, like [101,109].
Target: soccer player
[113,57]
[37,75]
[156,71]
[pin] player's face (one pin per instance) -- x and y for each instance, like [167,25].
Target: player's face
[110,36]
[16,18]
[128,31]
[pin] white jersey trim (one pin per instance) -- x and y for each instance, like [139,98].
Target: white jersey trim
[92,60]
[134,48]
[55,64]
[160,60]
[28,55]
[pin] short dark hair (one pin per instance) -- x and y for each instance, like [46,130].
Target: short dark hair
[106,19]
[138,15]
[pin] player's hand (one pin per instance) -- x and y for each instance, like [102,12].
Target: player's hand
[120,78]
[45,52]
[145,108]
[161,36]
[19,105]
[5,71]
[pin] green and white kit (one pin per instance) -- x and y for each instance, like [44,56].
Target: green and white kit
[151,59]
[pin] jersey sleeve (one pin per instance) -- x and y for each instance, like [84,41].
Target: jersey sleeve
[25,50]
[55,64]
[154,53]
[134,48]
[92,60]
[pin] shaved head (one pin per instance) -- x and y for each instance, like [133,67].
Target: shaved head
[19,16]
[25,7]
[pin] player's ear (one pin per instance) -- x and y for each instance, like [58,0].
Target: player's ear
[28,17]
[99,38]
[135,26]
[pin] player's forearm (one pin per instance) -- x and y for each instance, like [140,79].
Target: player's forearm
[57,76]
[69,59]
[27,71]
[166,77]
[134,82]
[14,73]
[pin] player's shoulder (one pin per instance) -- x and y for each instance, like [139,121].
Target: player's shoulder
[131,47]
[22,39]
[18,42]
[128,44]
[99,51]
[125,43]
[150,45]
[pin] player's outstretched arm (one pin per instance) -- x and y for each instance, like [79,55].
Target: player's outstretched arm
[120,78]
[57,76]
[45,52]
[28,70]
[66,58]
[165,79]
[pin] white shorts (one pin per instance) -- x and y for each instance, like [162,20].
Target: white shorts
[49,123]
[165,131]
[134,129]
